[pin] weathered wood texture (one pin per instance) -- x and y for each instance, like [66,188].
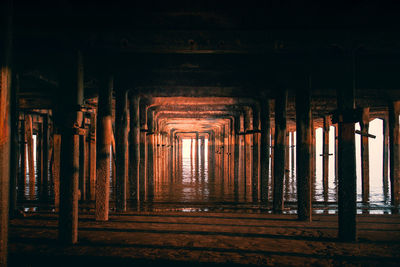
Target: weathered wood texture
[5,93]
[265,148]
[303,155]
[364,125]
[394,139]
[280,147]
[103,149]
[121,129]
[134,145]
[347,166]
[325,156]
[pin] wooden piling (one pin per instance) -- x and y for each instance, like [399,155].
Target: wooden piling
[394,139]
[92,155]
[71,117]
[56,169]
[292,153]
[143,166]
[82,165]
[280,145]
[364,126]
[31,160]
[104,136]
[385,158]
[265,147]
[46,143]
[22,150]
[5,92]
[14,148]
[325,156]
[134,145]
[121,133]
[347,166]
[69,184]
[304,154]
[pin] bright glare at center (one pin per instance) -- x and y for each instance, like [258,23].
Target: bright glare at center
[186,143]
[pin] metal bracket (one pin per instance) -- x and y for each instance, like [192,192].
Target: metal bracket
[365,134]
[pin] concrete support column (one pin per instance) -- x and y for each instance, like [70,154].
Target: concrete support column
[364,126]
[104,136]
[347,166]
[5,92]
[265,147]
[304,154]
[325,156]
[280,146]
[121,134]
[394,139]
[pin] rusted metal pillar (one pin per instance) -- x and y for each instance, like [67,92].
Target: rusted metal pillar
[304,154]
[265,146]
[134,145]
[394,140]
[280,146]
[325,156]
[385,158]
[104,135]
[69,156]
[121,129]
[364,126]
[347,164]
[5,92]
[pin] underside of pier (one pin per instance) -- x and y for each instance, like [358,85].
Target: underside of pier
[186,132]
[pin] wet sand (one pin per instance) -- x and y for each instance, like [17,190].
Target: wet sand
[184,239]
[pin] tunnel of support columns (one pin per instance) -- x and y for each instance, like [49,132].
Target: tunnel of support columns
[187,108]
